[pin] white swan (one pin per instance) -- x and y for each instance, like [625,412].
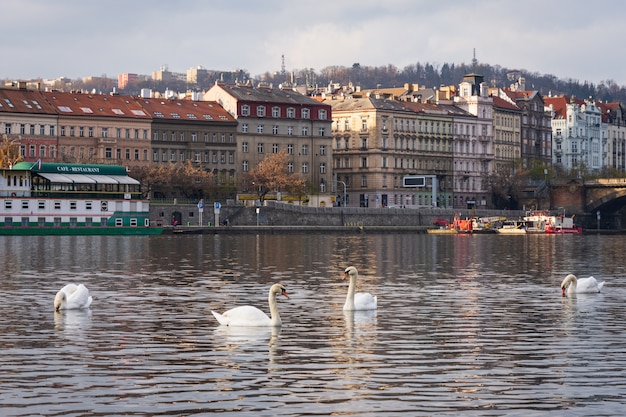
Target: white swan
[573,285]
[72,297]
[359,300]
[252,316]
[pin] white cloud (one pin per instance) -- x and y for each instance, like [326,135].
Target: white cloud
[75,38]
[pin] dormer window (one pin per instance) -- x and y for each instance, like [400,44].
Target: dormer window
[306,113]
[245,110]
[260,111]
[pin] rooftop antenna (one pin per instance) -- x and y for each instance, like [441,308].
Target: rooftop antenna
[474,62]
[282,65]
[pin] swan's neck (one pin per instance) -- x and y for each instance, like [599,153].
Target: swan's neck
[572,285]
[274,316]
[349,305]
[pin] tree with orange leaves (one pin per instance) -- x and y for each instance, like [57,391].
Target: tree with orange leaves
[272,174]
[9,153]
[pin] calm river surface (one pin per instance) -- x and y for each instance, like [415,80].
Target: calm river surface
[466,325]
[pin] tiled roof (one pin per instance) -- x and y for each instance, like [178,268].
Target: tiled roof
[503,104]
[367,103]
[267,95]
[24,101]
[184,110]
[95,105]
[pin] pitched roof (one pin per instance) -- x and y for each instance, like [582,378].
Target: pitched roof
[365,103]
[95,105]
[166,109]
[503,104]
[267,95]
[24,101]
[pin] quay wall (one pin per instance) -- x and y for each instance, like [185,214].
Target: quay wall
[281,214]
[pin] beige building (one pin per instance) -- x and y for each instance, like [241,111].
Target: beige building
[274,120]
[507,143]
[379,142]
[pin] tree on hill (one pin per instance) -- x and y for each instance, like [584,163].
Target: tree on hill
[272,175]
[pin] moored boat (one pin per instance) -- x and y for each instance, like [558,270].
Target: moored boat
[72,199]
[512,227]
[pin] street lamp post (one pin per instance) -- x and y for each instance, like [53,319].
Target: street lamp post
[344,191]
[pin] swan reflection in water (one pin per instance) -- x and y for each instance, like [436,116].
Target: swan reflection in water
[73,323]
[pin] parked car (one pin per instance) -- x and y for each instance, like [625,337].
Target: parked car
[441,222]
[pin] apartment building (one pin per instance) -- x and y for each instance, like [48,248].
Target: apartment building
[274,120]
[536,127]
[202,132]
[27,118]
[473,141]
[123,130]
[378,142]
[507,137]
[614,122]
[578,133]
[98,128]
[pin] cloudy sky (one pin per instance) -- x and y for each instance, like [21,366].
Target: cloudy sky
[76,38]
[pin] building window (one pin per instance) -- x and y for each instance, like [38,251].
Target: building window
[274,147]
[244,128]
[305,149]
[245,166]
[245,110]
[306,113]
[290,149]
[323,114]
[305,131]
[90,132]
[105,132]
[81,132]
[321,131]
[260,111]
[322,150]
[290,130]
[305,168]
[259,147]
[275,111]
[244,147]
[323,168]
[259,129]
[275,129]
[291,112]
[108,153]
[290,167]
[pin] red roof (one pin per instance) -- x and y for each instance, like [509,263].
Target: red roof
[158,108]
[503,104]
[24,101]
[95,105]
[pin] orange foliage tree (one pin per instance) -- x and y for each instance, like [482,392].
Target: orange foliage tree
[166,180]
[272,174]
[9,153]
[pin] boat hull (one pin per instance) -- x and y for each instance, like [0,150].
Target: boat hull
[84,231]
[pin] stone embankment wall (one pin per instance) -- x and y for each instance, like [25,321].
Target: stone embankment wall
[280,214]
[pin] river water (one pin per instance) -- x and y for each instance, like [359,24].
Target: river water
[466,325]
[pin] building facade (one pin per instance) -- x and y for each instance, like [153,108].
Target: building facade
[577,132]
[272,121]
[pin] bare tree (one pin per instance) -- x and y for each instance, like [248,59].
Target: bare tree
[9,152]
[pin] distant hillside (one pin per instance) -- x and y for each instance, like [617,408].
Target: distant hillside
[430,75]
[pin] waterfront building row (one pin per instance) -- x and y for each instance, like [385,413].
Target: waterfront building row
[354,147]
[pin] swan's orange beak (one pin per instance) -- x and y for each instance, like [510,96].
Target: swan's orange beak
[345,276]
[284,292]
[563,293]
